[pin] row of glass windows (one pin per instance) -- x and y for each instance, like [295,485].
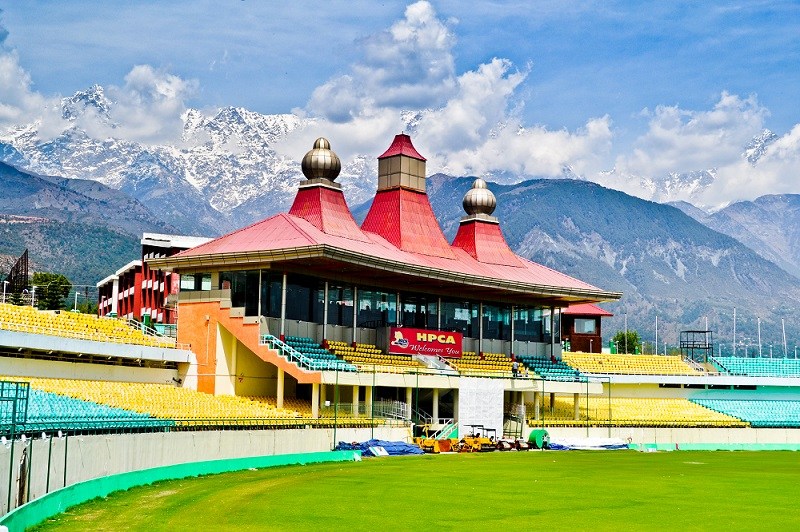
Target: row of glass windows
[259,292]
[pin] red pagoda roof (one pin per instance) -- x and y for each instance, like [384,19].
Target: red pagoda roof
[586,309]
[405,219]
[326,210]
[484,241]
[401,145]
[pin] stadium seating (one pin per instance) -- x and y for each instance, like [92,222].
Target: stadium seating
[549,370]
[632,412]
[758,367]
[367,357]
[491,363]
[321,357]
[76,325]
[758,412]
[628,364]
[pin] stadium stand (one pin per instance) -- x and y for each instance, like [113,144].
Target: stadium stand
[549,370]
[471,362]
[758,412]
[629,364]
[368,357]
[321,358]
[633,412]
[758,367]
[76,325]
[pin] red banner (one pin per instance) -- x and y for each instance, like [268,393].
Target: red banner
[407,341]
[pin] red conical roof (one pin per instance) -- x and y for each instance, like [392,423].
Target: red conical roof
[326,210]
[401,145]
[486,243]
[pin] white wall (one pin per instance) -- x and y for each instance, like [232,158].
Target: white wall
[96,456]
[22,367]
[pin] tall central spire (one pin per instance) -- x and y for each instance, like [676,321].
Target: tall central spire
[401,212]
[401,166]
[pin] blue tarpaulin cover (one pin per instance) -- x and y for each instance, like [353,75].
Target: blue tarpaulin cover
[394,448]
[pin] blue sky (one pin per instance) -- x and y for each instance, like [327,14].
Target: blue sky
[637,67]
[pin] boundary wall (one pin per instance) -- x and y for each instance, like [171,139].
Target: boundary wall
[58,501]
[686,438]
[74,459]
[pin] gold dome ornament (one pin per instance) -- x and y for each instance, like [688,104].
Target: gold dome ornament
[321,162]
[479,199]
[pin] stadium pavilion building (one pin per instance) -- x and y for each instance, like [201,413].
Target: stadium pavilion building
[251,300]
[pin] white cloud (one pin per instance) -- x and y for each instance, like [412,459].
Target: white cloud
[410,65]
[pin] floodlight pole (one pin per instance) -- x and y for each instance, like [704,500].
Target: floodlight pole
[759,337]
[785,349]
[5,284]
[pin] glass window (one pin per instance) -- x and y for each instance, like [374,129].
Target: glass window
[304,298]
[271,288]
[528,325]
[340,305]
[419,311]
[376,308]
[460,316]
[196,281]
[496,322]
[585,325]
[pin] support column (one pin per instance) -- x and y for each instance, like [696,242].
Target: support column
[325,314]
[480,327]
[279,388]
[439,315]
[577,405]
[552,335]
[355,400]
[234,361]
[398,316]
[455,404]
[115,297]
[435,408]
[409,399]
[355,312]
[322,395]
[315,400]
[537,399]
[283,307]
[368,399]
[511,351]
[552,402]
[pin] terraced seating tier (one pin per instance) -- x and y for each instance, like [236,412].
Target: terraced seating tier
[549,370]
[324,358]
[758,367]
[632,412]
[471,362]
[76,325]
[628,364]
[368,357]
[759,413]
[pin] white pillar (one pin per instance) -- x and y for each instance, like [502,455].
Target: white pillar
[480,327]
[435,405]
[409,398]
[355,400]
[283,307]
[577,405]
[439,314]
[455,404]
[315,400]
[322,395]
[355,312]
[279,388]
[115,296]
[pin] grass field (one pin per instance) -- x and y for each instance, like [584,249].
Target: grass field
[615,490]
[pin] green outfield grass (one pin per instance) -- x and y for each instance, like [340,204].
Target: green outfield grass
[613,490]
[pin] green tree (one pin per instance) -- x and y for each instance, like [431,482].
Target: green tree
[51,289]
[629,343]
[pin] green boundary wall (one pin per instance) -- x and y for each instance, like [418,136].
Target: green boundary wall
[56,502]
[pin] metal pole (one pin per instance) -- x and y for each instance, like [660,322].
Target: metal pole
[372,404]
[325,313]
[734,331]
[30,468]
[785,350]
[49,457]
[626,333]
[609,404]
[283,307]
[759,337]
[66,448]
[11,459]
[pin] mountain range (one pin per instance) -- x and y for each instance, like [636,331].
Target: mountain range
[676,261]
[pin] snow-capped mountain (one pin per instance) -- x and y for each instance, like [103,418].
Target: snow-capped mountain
[223,173]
